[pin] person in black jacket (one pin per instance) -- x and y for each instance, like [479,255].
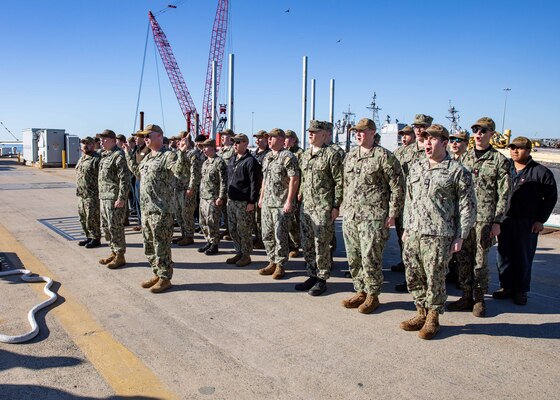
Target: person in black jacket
[244,182]
[533,199]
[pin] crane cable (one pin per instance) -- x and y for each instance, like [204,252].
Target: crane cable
[141,78]
[159,87]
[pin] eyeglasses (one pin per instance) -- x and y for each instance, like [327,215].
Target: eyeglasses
[479,129]
[456,140]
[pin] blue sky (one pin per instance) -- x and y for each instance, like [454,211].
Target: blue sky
[76,64]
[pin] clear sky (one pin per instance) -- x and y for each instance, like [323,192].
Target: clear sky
[76,64]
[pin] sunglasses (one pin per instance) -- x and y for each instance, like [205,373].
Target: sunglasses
[456,140]
[481,130]
[514,147]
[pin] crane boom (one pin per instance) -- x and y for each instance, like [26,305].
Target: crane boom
[173,72]
[217,48]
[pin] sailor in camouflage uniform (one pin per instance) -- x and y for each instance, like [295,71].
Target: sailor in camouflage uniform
[213,192]
[291,143]
[226,152]
[185,192]
[373,189]
[407,137]
[244,183]
[277,200]
[157,170]
[114,185]
[493,186]
[407,156]
[321,195]
[87,170]
[439,212]
[261,141]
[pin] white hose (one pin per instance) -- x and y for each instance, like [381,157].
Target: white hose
[26,276]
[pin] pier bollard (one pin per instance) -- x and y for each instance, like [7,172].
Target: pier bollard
[40,161]
[63,159]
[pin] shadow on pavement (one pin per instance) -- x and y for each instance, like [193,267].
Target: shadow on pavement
[10,360]
[48,393]
[547,330]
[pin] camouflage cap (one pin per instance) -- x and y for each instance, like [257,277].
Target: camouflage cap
[240,138]
[407,130]
[121,137]
[209,143]
[151,128]
[131,139]
[422,120]
[463,135]
[485,122]
[260,133]
[165,140]
[276,132]
[96,139]
[521,142]
[291,134]
[437,130]
[138,133]
[107,133]
[199,138]
[316,126]
[87,139]
[363,124]
[183,134]
[228,132]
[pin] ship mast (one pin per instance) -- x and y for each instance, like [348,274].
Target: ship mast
[374,110]
[454,118]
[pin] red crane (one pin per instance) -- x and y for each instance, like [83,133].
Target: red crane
[217,48]
[168,58]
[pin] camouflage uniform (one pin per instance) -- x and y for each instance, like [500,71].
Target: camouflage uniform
[295,234]
[114,183]
[184,206]
[226,153]
[339,150]
[440,206]
[259,156]
[213,186]
[321,189]
[373,189]
[87,170]
[157,172]
[277,170]
[492,184]
[407,155]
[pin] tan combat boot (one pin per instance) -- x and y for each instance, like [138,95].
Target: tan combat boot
[268,270]
[243,261]
[278,272]
[161,285]
[234,259]
[416,323]
[465,303]
[431,327]
[294,254]
[355,301]
[117,262]
[105,261]
[150,282]
[479,308]
[185,241]
[371,303]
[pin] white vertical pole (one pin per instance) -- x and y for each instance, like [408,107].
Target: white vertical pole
[304,103]
[331,108]
[312,99]
[230,93]
[213,134]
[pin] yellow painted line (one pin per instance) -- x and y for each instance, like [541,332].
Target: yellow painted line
[119,367]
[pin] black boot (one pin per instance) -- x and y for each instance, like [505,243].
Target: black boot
[93,243]
[205,247]
[213,249]
[308,284]
[84,242]
[319,288]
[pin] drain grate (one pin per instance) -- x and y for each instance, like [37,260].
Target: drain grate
[67,227]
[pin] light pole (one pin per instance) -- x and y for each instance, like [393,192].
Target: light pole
[252,122]
[507,90]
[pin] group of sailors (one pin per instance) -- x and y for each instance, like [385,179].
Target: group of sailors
[284,199]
